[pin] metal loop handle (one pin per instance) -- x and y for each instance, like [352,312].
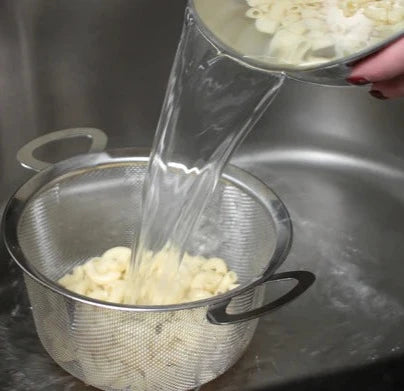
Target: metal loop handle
[217,314]
[26,154]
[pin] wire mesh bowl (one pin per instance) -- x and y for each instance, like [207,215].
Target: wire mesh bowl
[76,209]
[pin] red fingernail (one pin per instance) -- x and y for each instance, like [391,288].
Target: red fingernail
[357,81]
[377,94]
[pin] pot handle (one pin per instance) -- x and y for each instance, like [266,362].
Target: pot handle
[217,313]
[26,154]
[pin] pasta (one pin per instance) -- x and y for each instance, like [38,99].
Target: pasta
[105,278]
[313,31]
[151,349]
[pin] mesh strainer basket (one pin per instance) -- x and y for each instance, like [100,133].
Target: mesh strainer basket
[76,209]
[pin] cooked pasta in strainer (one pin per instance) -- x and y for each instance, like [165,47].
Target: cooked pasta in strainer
[104,278]
[165,340]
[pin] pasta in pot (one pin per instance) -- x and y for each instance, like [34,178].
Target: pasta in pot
[105,278]
[314,31]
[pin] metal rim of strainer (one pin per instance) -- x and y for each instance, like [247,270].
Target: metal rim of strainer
[285,68]
[79,164]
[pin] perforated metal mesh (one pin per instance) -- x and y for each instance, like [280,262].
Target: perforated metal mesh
[82,214]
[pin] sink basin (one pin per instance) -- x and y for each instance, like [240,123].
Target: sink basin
[337,164]
[334,156]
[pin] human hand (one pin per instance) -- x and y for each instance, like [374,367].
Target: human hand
[384,70]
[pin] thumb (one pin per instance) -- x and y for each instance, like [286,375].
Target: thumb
[384,65]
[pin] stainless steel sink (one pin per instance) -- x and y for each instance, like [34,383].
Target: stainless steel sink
[335,157]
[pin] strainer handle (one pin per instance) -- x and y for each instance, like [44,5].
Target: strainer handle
[26,154]
[217,314]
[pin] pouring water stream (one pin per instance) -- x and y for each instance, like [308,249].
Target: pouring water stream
[211,103]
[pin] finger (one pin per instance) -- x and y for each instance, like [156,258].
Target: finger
[393,88]
[384,65]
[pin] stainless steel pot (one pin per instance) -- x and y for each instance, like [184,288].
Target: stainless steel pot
[222,22]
